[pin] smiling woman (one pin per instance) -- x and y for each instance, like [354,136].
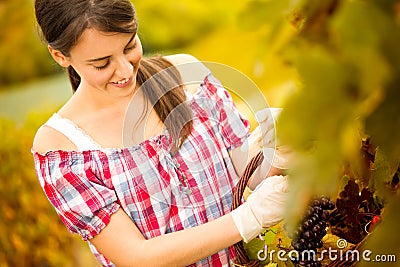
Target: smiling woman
[175,183]
[104,61]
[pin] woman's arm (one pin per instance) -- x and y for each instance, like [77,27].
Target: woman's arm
[240,157]
[192,70]
[122,243]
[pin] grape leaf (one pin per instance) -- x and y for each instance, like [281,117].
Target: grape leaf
[387,116]
[269,235]
[268,11]
[253,247]
[381,175]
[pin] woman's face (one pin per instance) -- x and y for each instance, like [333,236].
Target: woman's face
[107,61]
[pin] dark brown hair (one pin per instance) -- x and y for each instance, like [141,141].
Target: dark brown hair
[62,23]
[162,85]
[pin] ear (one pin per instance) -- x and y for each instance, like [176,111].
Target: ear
[59,57]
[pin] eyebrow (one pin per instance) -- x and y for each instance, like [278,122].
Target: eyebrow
[106,57]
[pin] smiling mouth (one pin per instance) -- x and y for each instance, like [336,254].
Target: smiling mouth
[122,82]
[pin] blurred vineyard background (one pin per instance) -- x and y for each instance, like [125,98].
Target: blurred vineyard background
[334,65]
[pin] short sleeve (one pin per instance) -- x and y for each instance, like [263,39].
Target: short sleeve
[233,126]
[83,202]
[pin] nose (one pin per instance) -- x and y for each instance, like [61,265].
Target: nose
[124,67]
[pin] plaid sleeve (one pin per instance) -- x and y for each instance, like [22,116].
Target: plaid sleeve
[233,126]
[82,201]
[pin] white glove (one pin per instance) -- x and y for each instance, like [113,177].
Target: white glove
[274,152]
[264,207]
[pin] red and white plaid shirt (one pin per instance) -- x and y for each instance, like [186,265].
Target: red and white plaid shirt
[161,193]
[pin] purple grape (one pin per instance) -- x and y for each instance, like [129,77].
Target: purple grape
[314,219]
[310,245]
[318,211]
[307,234]
[297,246]
[325,215]
[308,224]
[316,228]
[316,202]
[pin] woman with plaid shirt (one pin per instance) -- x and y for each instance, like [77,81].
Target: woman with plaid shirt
[135,164]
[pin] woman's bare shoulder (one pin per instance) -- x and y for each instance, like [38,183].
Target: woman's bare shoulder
[177,59]
[48,139]
[192,70]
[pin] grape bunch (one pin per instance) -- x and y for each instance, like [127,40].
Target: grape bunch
[309,234]
[354,211]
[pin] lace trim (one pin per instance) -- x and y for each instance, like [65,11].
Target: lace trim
[79,130]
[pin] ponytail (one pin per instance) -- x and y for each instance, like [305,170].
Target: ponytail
[166,94]
[74,78]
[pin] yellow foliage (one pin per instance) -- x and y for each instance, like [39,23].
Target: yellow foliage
[32,233]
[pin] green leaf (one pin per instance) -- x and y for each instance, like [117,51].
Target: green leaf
[269,235]
[359,23]
[382,173]
[359,38]
[253,247]
[259,13]
[343,182]
[384,124]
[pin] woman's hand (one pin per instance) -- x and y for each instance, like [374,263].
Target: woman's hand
[263,137]
[263,208]
[274,152]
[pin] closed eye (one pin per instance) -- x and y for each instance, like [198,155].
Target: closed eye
[129,48]
[102,66]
